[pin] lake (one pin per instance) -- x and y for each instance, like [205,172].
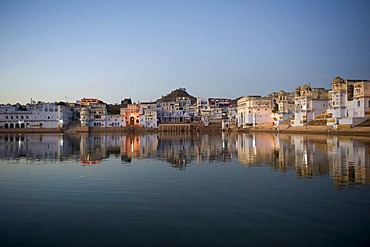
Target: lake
[171,189]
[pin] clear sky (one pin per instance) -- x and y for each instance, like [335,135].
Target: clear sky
[57,50]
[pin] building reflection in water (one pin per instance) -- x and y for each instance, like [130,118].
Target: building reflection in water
[345,159]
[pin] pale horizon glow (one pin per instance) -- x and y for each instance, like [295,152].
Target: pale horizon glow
[111,50]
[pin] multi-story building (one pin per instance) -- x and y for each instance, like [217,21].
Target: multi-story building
[131,114]
[340,96]
[361,96]
[215,110]
[115,120]
[349,103]
[218,109]
[178,111]
[283,106]
[35,115]
[165,111]
[148,115]
[254,110]
[203,110]
[93,113]
[309,104]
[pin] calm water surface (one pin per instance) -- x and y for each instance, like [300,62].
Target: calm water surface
[184,190]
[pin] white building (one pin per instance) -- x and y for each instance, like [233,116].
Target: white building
[93,113]
[148,115]
[361,97]
[283,106]
[254,110]
[178,111]
[349,103]
[42,115]
[114,120]
[203,110]
[340,103]
[309,104]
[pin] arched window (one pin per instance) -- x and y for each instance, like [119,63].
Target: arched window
[17,126]
[358,103]
[22,125]
[12,126]
[6,126]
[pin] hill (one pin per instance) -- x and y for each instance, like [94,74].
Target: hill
[180,92]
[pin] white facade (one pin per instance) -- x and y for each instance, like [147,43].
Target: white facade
[43,115]
[203,110]
[115,121]
[361,96]
[309,104]
[254,110]
[339,105]
[93,113]
[148,115]
[178,111]
[350,102]
[283,106]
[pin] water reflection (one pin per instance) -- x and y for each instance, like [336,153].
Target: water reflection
[345,159]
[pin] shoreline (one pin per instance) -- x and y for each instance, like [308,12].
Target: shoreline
[327,130]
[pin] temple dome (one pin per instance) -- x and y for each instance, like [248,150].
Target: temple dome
[337,80]
[282,93]
[306,88]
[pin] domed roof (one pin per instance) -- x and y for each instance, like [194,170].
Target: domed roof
[186,114]
[306,87]
[298,88]
[175,114]
[282,93]
[337,79]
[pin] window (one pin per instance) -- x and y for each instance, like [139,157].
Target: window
[358,103]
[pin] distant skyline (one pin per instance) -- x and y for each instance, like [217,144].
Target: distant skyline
[111,50]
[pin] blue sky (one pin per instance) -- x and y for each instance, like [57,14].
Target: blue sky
[57,50]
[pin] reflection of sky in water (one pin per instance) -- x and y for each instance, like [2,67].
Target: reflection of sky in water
[210,199]
[345,159]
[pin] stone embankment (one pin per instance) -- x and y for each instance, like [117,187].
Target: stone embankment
[312,130]
[200,127]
